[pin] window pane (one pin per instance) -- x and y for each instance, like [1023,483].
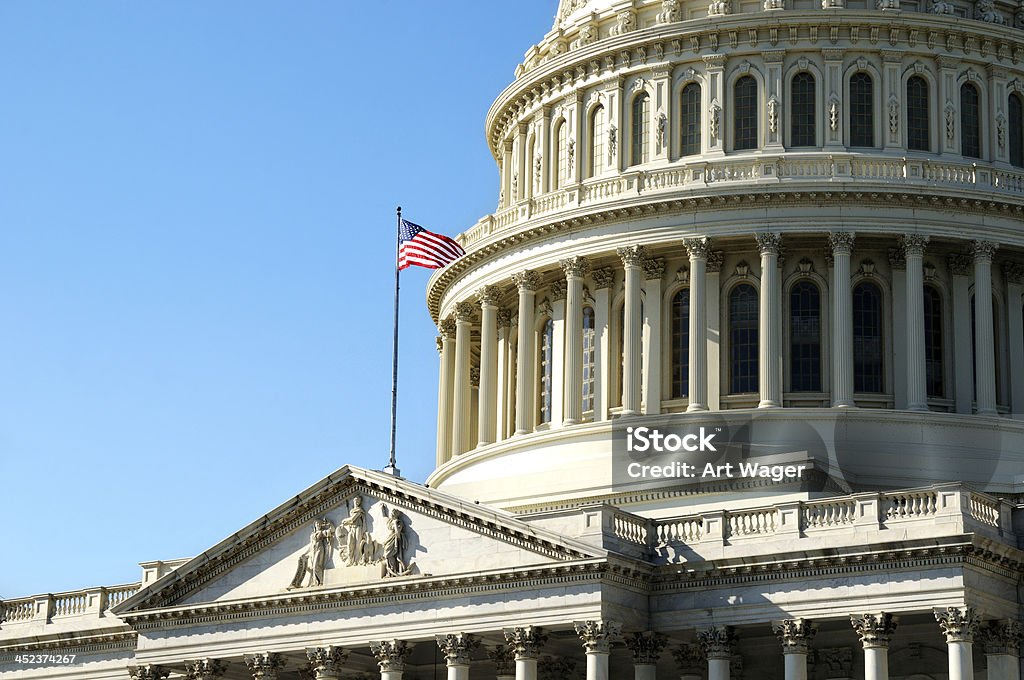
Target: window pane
[1016,135]
[862,110]
[867,338]
[589,338]
[933,341]
[640,130]
[917,114]
[745,113]
[681,343]
[596,142]
[743,339]
[547,342]
[689,119]
[802,111]
[970,121]
[805,338]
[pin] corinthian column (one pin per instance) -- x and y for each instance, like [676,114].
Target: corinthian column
[148,672]
[326,662]
[264,666]
[525,644]
[795,636]
[597,637]
[718,643]
[959,624]
[842,320]
[1002,641]
[770,360]
[572,409]
[632,260]
[527,282]
[984,333]
[488,399]
[445,390]
[603,355]
[456,648]
[698,249]
[391,656]
[654,268]
[204,669]
[875,630]
[917,387]
[646,648]
[460,408]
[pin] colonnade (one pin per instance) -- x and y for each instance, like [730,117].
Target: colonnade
[507,385]
[713,655]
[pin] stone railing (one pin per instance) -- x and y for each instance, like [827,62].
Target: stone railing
[953,503]
[699,175]
[50,607]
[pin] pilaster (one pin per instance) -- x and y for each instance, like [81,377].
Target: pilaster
[603,355]
[770,319]
[984,331]
[632,261]
[654,268]
[842,320]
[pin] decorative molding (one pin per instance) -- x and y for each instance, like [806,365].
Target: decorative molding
[148,672]
[503,659]
[698,248]
[456,647]
[717,642]
[204,669]
[838,662]
[447,328]
[959,264]
[646,647]
[465,312]
[1014,272]
[959,624]
[603,277]
[654,267]
[577,266]
[1003,637]
[632,256]
[488,296]
[326,662]
[504,318]
[716,261]
[795,635]
[768,243]
[690,659]
[527,280]
[841,242]
[525,642]
[598,636]
[984,251]
[265,665]
[558,290]
[391,655]
[874,630]
[897,259]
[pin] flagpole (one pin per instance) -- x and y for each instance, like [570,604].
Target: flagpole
[392,466]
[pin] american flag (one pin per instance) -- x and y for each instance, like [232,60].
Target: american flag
[419,247]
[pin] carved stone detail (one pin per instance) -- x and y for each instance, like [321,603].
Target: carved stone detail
[148,672]
[575,266]
[625,22]
[310,568]
[959,624]
[959,264]
[795,635]
[1014,272]
[526,280]
[488,295]
[464,311]
[597,636]
[391,655]
[670,12]
[603,277]
[447,328]
[504,318]
[503,659]
[204,669]
[699,248]
[558,290]
[716,260]
[456,647]
[654,267]
[838,661]
[913,244]
[874,630]
[690,659]
[525,642]
[326,662]
[632,256]
[646,647]
[841,241]
[1003,637]
[718,642]
[555,669]
[265,665]
[768,243]
[897,259]
[984,250]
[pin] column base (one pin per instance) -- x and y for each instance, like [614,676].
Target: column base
[844,404]
[696,407]
[987,412]
[768,403]
[918,407]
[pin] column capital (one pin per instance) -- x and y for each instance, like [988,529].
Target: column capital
[959,264]
[447,328]
[603,277]
[204,669]
[456,647]
[646,647]
[838,661]
[1014,272]
[504,318]
[503,659]
[874,630]
[690,659]
[558,290]
[1003,637]
[391,654]
[527,280]
[575,266]
[898,258]
[984,251]
[632,256]
[768,243]
[264,666]
[526,641]
[698,248]
[716,260]
[795,635]
[597,636]
[842,241]
[959,624]
[718,642]
[326,662]
[913,244]
[555,669]
[488,296]
[654,267]
[464,311]
[148,672]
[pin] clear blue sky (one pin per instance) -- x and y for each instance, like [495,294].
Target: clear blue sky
[196,257]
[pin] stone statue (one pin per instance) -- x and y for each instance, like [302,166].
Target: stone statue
[773,114]
[395,545]
[985,10]
[313,561]
[353,537]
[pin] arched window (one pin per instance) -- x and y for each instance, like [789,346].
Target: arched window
[970,121]
[589,345]
[862,110]
[640,129]
[867,338]
[744,122]
[917,114]
[547,347]
[933,342]
[681,343]
[595,164]
[1016,136]
[689,120]
[743,339]
[802,115]
[805,337]
[561,153]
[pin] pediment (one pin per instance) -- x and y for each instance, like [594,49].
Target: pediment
[355,528]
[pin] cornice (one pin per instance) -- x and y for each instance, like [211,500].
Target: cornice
[644,205]
[72,643]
